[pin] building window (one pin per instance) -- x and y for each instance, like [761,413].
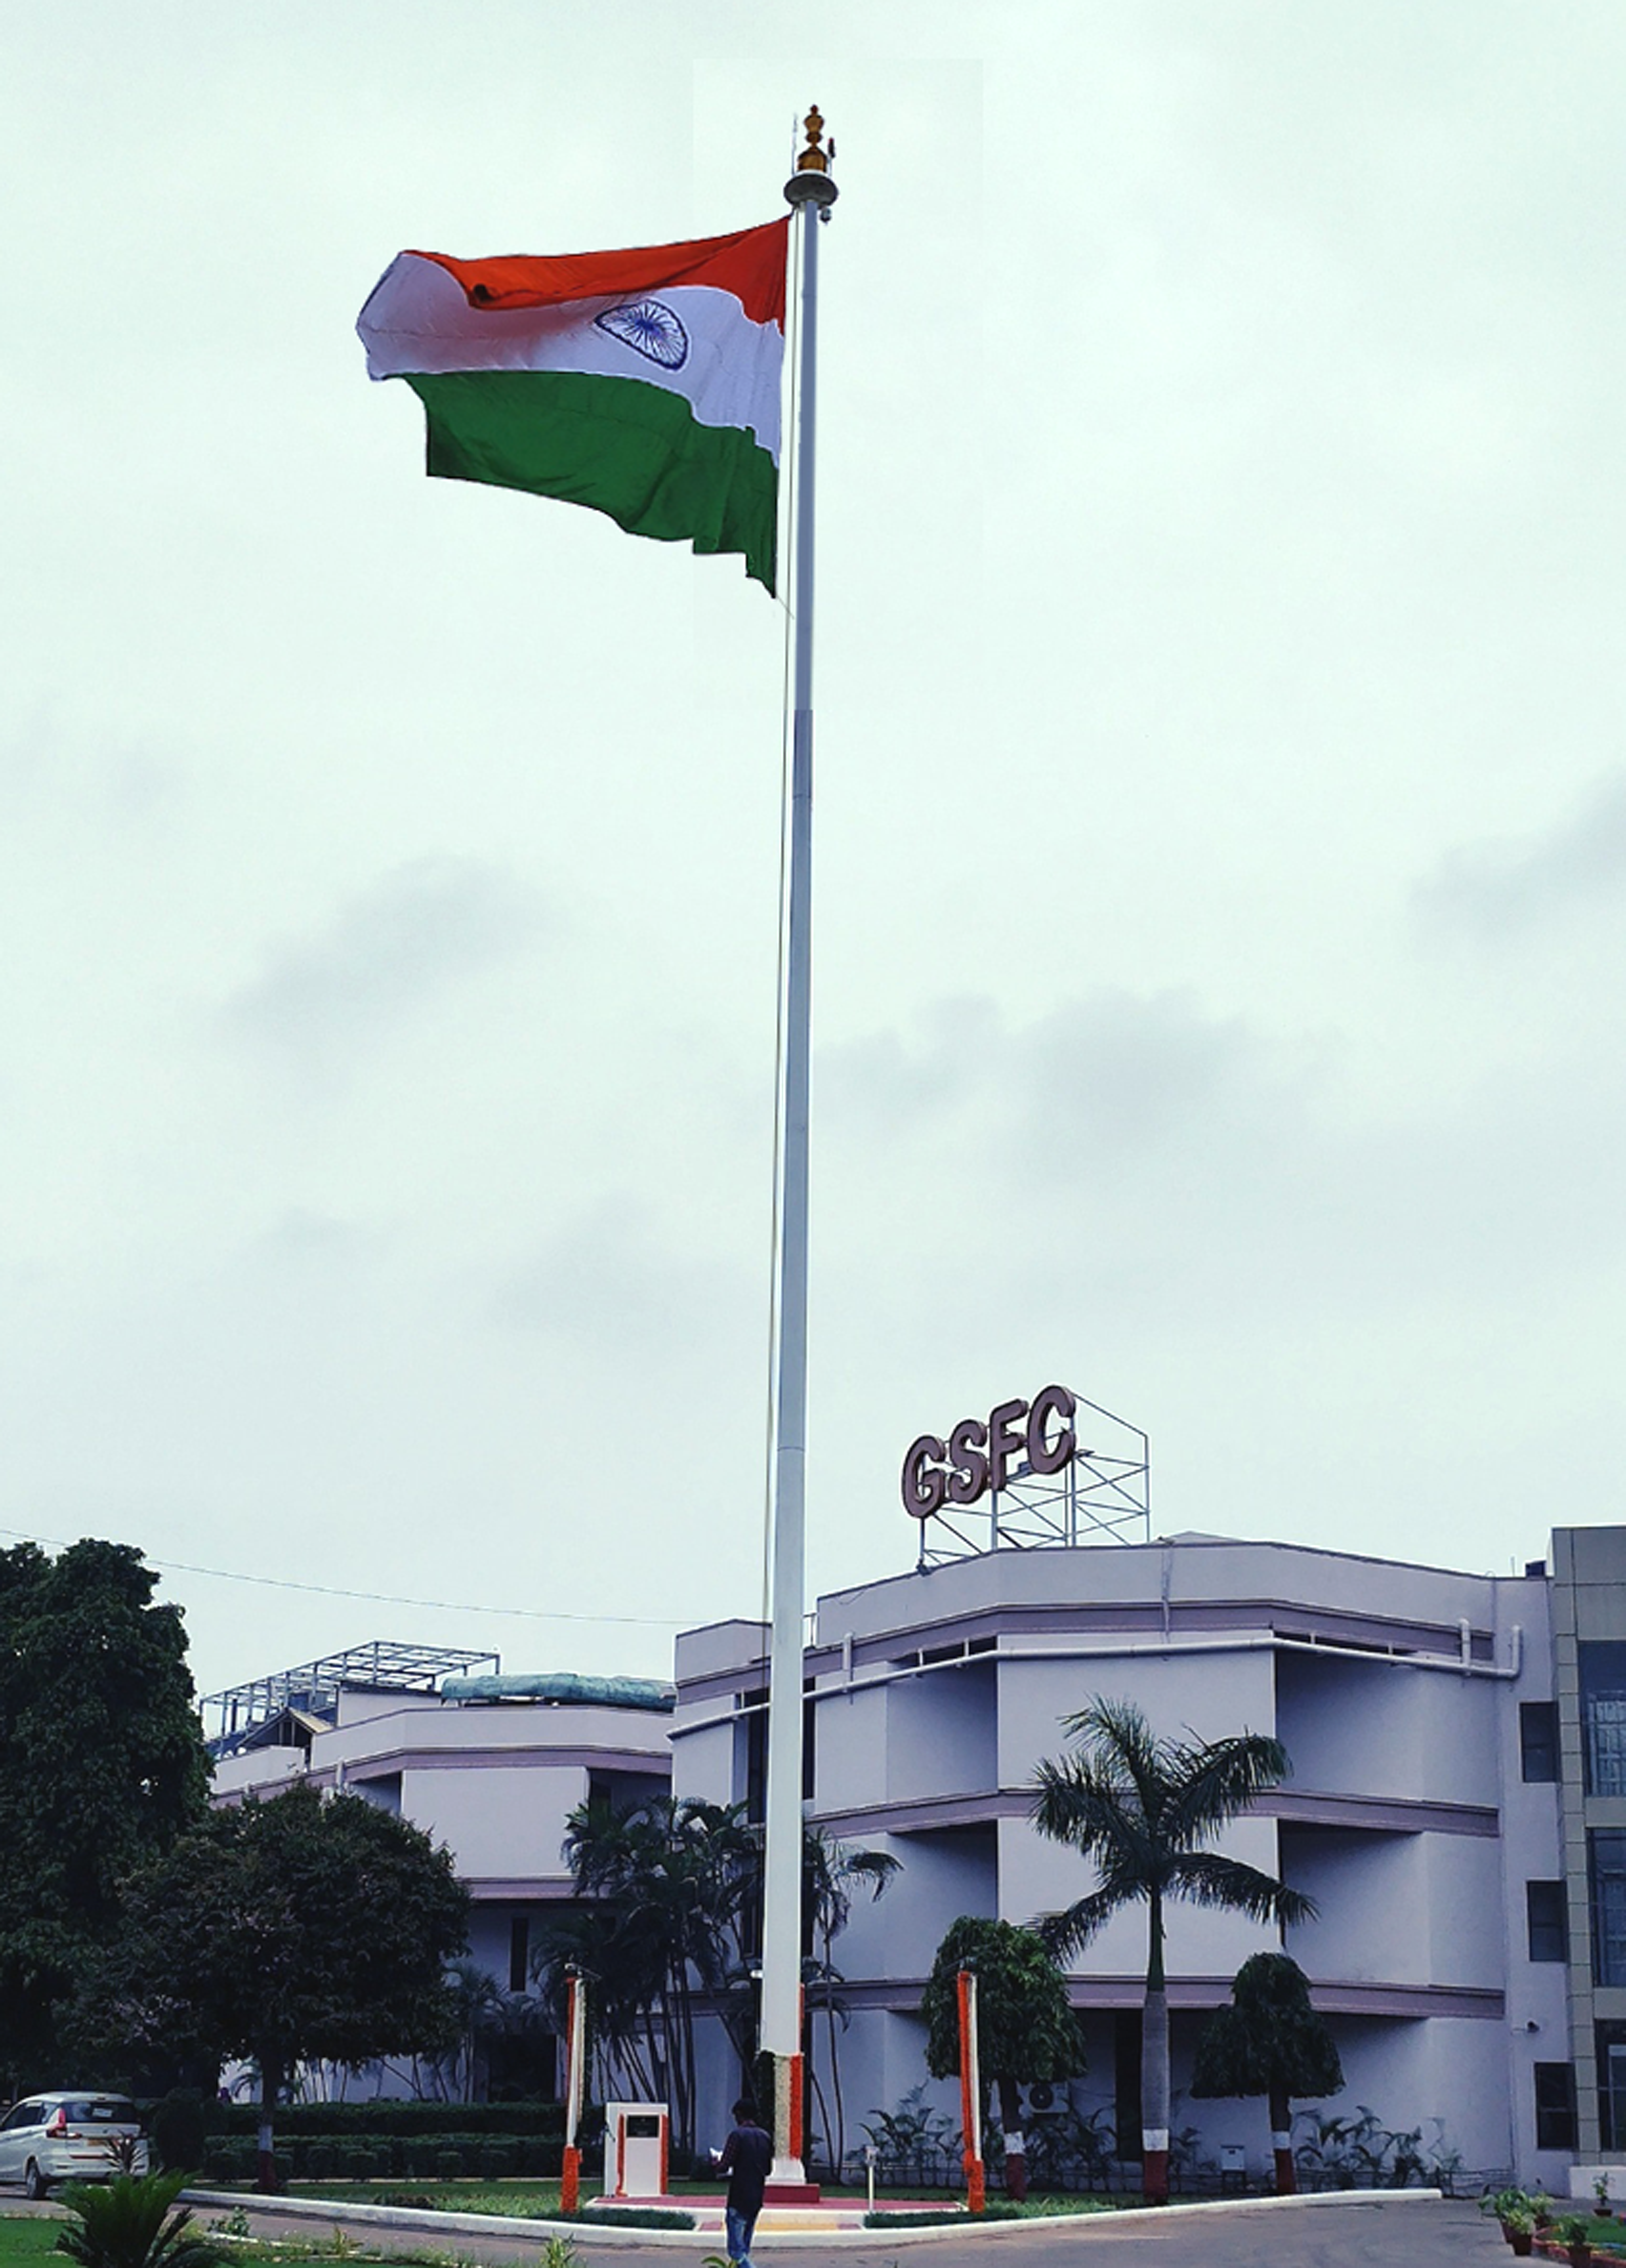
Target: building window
[1607,1854]
[751,1753]
[1554,2106]
[1545,1921]
[1603,1716]
[1609,2043]
[1538,1739]
[519,1954]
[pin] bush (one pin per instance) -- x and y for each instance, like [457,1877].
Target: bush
[132,2222]
[180,2128]
[448,2163]
[229,2161]
[996,2209]
[380,2119]
[632,2216]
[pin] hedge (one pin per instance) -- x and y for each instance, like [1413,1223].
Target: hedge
[384,2119]
[358,2158]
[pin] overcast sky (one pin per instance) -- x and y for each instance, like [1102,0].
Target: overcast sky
[1221,819]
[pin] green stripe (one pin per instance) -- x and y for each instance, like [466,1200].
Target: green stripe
[613,444]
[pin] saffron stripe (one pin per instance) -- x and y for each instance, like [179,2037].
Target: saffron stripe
[750,263]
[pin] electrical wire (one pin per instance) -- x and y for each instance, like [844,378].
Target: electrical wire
[374,1598]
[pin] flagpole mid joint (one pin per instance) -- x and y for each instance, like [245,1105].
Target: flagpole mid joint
[811,190]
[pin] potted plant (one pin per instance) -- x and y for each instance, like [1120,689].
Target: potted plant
[1573,2231]
[1601,2191]
[1518,2228]
[1506,2202]
[1541,2210]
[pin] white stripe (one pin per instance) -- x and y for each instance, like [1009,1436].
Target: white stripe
[418,320]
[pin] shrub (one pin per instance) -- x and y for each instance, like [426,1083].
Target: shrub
[179,2130]
[229,2161]
[129,2223]
[632,2216]
[376,2120]
[448,2163]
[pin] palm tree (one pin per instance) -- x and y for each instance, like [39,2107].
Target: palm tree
[831,1873]
[1143,1809]
[667,1886]
[478,2002]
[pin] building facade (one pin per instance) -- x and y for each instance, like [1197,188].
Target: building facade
[490,1766]
[1456,1808]
[1422,1813]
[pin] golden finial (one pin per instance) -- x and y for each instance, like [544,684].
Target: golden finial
[814,158]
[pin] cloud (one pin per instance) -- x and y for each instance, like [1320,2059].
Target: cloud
[428,925]
[613,1281]
[1499,887]
[1107,1078]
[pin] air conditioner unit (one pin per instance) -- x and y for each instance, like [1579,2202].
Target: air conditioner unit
[1041,2098]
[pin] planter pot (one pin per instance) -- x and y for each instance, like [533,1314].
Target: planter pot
[1519,2242]
[1580,2256]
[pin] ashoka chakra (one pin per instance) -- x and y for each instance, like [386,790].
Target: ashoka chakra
[649,329]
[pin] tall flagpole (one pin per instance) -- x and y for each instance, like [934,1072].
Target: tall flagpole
[811,192]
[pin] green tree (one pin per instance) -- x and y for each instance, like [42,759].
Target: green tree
[285,1930]
[1141,1809]
[102,1764]
[1268,2042]
[1025,2029]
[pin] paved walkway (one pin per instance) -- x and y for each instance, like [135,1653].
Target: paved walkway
[1361,2231]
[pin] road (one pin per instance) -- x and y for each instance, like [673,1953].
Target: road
[1363,2232]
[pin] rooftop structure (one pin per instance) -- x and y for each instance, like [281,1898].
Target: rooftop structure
[305,1700]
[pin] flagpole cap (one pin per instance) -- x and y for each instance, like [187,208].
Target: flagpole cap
[811,182]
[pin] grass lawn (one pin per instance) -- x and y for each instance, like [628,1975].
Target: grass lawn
[25,2239]
[539,2200]
[524,2200]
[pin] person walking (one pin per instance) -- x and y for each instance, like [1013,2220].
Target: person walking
[746,2158]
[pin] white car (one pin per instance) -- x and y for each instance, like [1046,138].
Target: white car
[70,2138]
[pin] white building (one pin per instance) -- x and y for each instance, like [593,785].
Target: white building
[491,1766]
[1429,1837]
[1456,1805]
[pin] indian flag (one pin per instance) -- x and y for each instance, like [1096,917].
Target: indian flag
[643,384]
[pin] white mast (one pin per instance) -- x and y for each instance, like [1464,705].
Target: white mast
[811,192]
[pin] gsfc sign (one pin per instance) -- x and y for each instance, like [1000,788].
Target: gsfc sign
[978,1455]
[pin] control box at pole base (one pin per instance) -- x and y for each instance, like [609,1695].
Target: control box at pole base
[637,2144]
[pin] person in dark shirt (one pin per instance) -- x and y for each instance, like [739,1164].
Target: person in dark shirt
[747,2155]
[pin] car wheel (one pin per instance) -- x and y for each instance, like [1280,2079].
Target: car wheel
[35,2183]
